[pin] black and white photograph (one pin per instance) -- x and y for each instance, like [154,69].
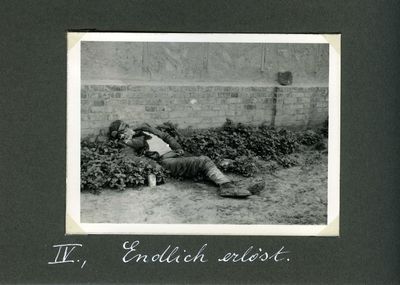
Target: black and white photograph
[234,134]
[200,142]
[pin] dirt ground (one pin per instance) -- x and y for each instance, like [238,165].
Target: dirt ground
[295,195]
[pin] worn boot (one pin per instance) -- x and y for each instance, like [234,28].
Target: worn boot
[242,188]
[256,186]
[231,190]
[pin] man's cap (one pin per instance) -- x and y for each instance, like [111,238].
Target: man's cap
[116,127]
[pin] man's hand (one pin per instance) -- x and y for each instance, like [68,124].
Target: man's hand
[128,134]
[179,152]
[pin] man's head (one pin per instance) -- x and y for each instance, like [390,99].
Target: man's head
[135,139]
[120,130]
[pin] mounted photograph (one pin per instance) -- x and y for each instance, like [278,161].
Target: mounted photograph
[203,134]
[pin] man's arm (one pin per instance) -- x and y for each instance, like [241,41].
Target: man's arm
[162,135]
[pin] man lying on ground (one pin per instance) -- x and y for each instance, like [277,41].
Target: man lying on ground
[163,148]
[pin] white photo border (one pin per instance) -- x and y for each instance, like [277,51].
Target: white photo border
[73,219]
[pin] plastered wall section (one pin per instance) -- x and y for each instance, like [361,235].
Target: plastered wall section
[247,63]
[201,106]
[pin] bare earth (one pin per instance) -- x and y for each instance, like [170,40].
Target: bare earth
[295,195]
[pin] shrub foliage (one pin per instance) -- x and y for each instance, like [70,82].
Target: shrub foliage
[235,141]
[104,165]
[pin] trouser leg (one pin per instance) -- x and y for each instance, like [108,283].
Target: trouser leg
[215,175]
[194,166]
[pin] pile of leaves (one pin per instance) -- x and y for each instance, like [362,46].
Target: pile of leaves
[104,165]
[241,143]
[309,137]
[324,128]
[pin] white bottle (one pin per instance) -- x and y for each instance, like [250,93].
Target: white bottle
[151,180]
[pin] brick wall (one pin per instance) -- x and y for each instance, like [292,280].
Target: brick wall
[201,106]
[202,84]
